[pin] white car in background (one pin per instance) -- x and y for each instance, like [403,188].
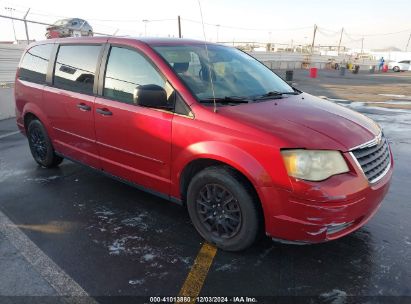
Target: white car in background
[398,66]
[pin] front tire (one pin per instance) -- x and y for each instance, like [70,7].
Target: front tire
[40,145]
[223,209]
[396,69]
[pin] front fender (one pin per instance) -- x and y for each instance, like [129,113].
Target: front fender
[225,153]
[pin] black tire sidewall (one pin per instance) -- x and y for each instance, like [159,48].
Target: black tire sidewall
[50,159]
[250,218]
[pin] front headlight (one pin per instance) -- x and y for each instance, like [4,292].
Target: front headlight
[313,165]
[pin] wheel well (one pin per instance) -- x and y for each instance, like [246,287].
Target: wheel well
[200,164]
[28,118]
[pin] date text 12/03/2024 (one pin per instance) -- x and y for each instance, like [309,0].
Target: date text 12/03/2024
[178,299]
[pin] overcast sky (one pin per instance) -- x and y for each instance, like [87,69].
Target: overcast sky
[280,21]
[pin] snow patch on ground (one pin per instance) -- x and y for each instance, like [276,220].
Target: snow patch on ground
[132,233]
[262,255]
[43,180]
[148,257]
[119,245]
[335,296]
[104,212]
[5,174]
[137,221]
[136,282]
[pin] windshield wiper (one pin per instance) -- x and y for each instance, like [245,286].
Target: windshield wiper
[226,99]
[275,94]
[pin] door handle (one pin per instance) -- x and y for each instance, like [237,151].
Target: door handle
[83,107]
[104,112]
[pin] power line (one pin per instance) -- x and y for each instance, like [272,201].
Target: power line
[382,34]
[327,34]
[247,29]
[328,30]
[102,20]
[351,39]
[38,22]
[322,30]
[132,20]
[318,30]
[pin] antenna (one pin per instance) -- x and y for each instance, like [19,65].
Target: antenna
[208,58]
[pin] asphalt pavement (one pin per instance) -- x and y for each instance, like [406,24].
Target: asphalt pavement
[72,232]
[365,87]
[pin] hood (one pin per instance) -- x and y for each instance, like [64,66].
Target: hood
[305,121]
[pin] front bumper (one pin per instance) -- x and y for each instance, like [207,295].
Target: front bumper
[314,214]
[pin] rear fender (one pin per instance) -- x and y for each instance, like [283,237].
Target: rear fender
[35,110]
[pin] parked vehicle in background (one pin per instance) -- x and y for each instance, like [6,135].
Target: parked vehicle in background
[399,66]
[73,27]
[210,128]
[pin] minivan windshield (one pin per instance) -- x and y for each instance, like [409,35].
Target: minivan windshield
[236,76]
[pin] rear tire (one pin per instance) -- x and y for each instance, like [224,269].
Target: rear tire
[40,145]
[223,209]
[396,69]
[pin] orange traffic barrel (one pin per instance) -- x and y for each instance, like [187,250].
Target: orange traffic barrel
[313,72]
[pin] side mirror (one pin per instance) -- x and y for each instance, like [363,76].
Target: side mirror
[151,95]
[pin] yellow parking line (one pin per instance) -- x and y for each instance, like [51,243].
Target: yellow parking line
[196,277]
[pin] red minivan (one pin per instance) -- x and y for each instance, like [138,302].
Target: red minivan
[209,127]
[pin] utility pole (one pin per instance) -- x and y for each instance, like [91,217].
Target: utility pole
[145,26]
[25,25]
[218,28]
[408,42]
[10,9]
[312,44]
[339,43]
[179,27]
[362,45]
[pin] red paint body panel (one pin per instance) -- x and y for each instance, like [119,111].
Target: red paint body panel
[152,147]
[29,99]
[306,121]
[135,143]
[72,130]
[309,213]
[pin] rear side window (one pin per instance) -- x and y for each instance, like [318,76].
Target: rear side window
[34,65]
[75,68]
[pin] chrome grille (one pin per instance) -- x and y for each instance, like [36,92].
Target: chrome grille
[373,158]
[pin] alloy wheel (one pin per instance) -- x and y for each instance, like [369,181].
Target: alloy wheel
[38,144]
[219,211]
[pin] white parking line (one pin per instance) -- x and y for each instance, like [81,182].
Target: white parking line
[50,271]
[9,134]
